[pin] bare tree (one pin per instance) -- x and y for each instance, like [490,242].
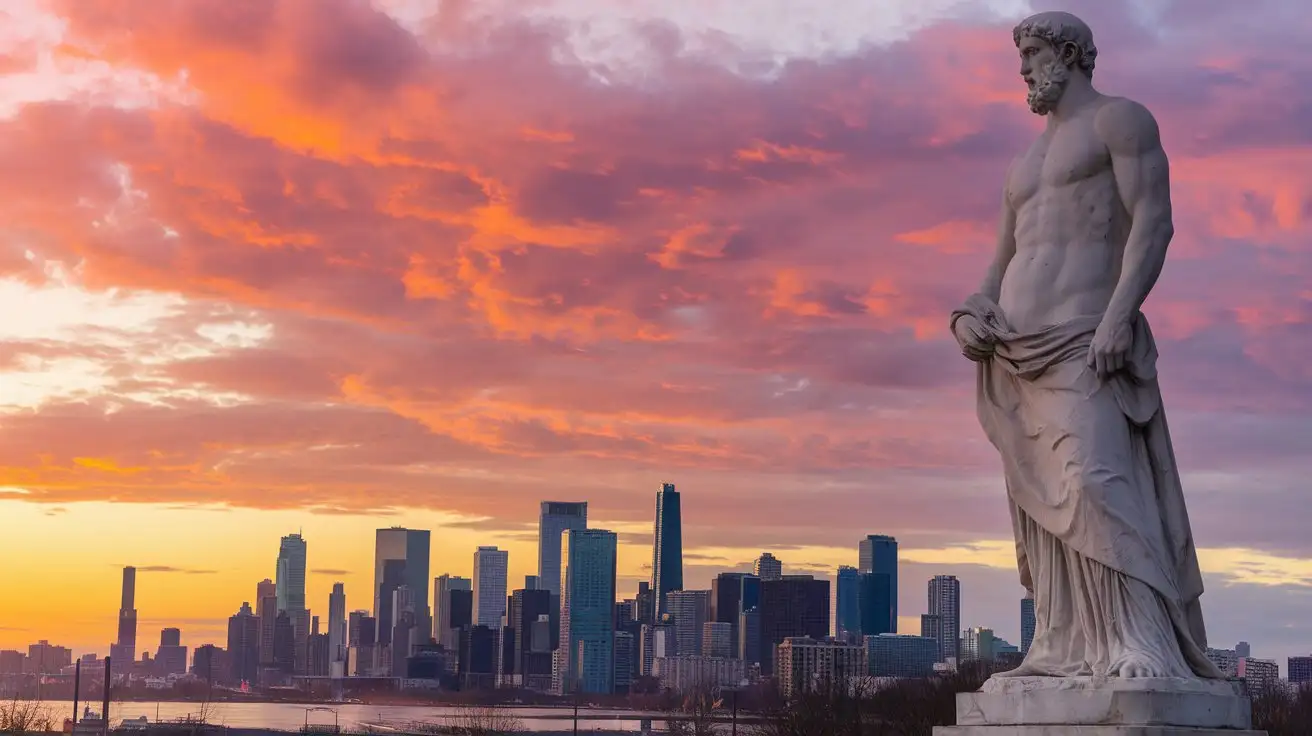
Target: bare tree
[484,720]
[909,707]
[697,714]
[26,716]
[1281,712]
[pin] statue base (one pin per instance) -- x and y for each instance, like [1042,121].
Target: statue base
[1110,706]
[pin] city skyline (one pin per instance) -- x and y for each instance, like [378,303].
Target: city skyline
[257,288]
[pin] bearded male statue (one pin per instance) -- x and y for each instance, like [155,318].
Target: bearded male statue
[1067,379]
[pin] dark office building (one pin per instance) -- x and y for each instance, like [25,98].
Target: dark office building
[393,578]
[462,608]
[795,605]
[209,663]
[729,592]
[478,658]
[847,605]
[284,643]
[877,603]
[530,660]
[644,604]
[243,647]
[1300,670]
[667,547]
[317,651]
[878,557]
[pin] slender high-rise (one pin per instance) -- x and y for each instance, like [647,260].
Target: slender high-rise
[291,573]
[555,518]
[401,558]
[290,581]
[847,606]
[945,606]
[125,648]
[877,585]
[266,610]
[667,547]
[491,566]
[337,631]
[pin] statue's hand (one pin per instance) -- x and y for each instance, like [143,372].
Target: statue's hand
[1111,345]
[973,338]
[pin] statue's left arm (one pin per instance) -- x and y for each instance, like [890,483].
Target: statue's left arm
[1143,181]
[1142,176]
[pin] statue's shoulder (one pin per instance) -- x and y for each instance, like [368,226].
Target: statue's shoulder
[1126,126]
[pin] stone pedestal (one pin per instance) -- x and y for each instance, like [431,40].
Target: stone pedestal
[1086,706]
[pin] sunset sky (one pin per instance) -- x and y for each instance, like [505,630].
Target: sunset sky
[327,265]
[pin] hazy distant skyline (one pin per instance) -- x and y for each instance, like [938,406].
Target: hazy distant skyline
[310,266]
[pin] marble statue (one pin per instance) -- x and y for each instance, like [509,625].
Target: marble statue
[1067,379]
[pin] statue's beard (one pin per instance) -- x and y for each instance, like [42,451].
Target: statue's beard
[1049,84]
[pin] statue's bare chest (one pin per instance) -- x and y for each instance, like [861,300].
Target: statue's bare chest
[1067,155]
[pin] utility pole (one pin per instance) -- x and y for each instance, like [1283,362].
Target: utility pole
[104,708]
[77,686]
[577,693]
[734,726]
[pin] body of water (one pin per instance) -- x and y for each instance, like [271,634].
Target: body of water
[353,717]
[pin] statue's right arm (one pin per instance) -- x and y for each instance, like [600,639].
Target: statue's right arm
[1006,246]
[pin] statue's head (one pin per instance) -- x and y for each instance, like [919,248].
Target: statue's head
[1053,46]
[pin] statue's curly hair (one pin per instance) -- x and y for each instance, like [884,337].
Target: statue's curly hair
[1059,28]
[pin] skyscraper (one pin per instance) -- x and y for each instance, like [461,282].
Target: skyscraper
[794,605]
[585,660]
[401,558]
[876,600]
[847,605]
[125,648]
[1026,623]
[171,657]
[491,566]
[667,546]
[530,665]
[689,610]
[266,610]
[291,574]
[444,628]
[768,567]
[731,594]
[337,631]
[945,604]
[555,518]
[878,559]
[290,580]
[243,646]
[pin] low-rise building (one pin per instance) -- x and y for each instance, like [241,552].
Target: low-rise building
[802,663]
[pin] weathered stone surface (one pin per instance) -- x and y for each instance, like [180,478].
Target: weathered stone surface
[1087,701]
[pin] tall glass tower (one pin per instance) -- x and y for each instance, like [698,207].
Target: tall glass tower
[847,608]
[878,585]
[667,547]
[291,573]
[556,517]
[585,659]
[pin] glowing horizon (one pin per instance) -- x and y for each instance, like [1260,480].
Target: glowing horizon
[284,266]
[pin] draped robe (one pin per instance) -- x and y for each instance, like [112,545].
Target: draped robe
[1103,540]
